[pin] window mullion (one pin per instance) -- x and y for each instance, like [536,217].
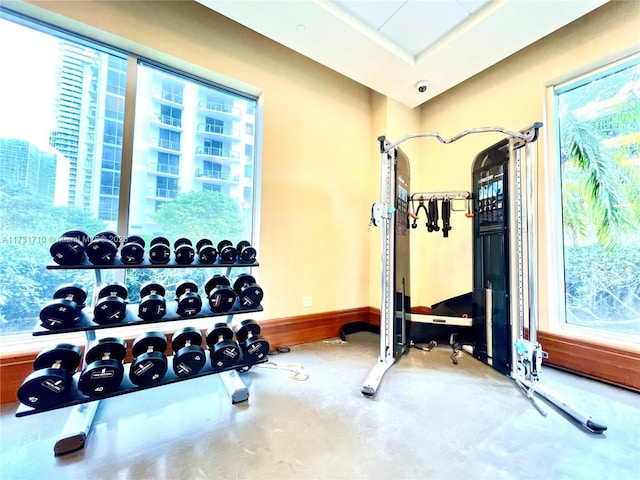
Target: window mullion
[127,152]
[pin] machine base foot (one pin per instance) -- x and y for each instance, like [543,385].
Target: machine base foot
[234,386]
[589,423]
[372,382]
[76,430]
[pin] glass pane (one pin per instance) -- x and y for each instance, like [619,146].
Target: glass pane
[192,168]
[60,154]
[600,163]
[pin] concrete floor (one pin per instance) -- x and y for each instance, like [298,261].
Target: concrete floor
[430,419]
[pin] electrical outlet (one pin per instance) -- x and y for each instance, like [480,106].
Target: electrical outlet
[307,301]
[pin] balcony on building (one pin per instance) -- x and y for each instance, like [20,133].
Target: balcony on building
[155,193]
[216,176]
[170,171]
[165,145]
[167,97]
[221,109]
[167,121]
[217,153]
[219,132]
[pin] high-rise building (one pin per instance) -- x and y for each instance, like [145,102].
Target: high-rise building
[25,165]
[187,136]
[75,110]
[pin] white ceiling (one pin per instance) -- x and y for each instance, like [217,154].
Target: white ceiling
[390,45]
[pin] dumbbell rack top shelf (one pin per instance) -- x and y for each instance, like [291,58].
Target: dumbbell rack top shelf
[86,265]
[85,324]
[128,387]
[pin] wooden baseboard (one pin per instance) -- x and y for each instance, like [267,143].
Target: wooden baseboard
[609,364]
[13,370]
[319,326]
[602,362]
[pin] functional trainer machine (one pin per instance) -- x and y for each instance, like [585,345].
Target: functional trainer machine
[504,310]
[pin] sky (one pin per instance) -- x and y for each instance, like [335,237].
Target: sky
[27,83]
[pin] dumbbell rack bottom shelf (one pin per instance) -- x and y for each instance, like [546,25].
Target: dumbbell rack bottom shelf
[132,318]
[127,386]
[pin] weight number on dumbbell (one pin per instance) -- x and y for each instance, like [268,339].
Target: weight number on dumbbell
[254,346]
[249,293]
[223,350]
[132,252]
[188,355]
[159,251]
[64,310]
[50,384]
[184,252]
[111,306]
[207,253]
[150,363]
[153,304]
[103,248]
[104,371]
[70,248]
[220,294]
[189,302]
[227,253]
[246,253]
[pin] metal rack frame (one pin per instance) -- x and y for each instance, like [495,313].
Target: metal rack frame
[80,421]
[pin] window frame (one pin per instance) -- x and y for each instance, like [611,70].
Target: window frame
[17,343]
[556,312]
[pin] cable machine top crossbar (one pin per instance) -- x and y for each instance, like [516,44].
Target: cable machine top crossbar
[526,136]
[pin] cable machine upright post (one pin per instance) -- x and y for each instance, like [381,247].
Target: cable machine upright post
[383,214]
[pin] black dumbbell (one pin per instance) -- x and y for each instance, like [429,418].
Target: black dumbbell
[223,350]
[249,293]
[188,354]
[64,310]
[103,248]
[184,252]
[189,302]
[220,294]
[111,306]
[207,253]
[104,370]
[50,384]
[254,346]
[227,253]
[246,253]
[153,305]
[132,251]
[150,363]
[70,248]
[159,251]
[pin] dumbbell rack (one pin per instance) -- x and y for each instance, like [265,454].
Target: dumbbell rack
[78,425]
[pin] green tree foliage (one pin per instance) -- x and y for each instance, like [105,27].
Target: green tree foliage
[201,215]
[28,225]
[601,188]
[600,161]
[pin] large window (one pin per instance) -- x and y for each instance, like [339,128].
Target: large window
[64,148]
[598,146]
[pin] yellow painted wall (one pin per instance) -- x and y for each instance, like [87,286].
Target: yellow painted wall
[316,149]
[511,94]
